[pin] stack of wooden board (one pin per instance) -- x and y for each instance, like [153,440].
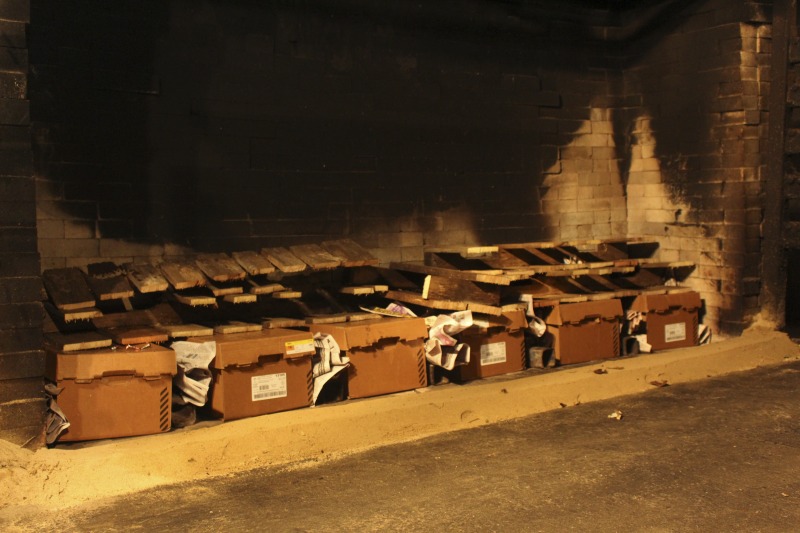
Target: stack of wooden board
[495,279]
[110,303]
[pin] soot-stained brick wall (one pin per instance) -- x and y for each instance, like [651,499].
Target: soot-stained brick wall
[21,356]
[163,128]
[696,170]
[166,128]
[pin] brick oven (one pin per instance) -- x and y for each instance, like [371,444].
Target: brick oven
[148,130]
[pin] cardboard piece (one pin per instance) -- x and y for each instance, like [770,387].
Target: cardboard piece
[672,319]
[386,355]
[260,372]
[497,345]
[585,331]
[113,393]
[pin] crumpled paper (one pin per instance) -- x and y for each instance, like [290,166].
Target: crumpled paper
[193,378]
[56,421]
[441,348]
[327,362]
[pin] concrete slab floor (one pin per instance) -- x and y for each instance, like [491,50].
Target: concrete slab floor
[675,453]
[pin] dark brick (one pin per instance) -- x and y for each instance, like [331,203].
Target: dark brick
[23,315]
[15,10]
[14,59]
[21,290]
[14,34]
[14,112]
[16,263]
[20,364]
[22,414]
[13,84]
[19,214]
[21,389]
[17,239]
[16,163]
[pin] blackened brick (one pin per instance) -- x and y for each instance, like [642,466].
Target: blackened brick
[14,112]
[18,264]
[22,414]
[21,214]
[15,10]
[21,290]
[24,315]
[20,389]
[14,59]
[18,340]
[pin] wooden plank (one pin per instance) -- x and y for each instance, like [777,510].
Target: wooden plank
[180,331]
[182,275]
[222,289]
[194,299]
[284,260]
[146,278]
[67,288]
[447,305]
[504,279]
[358,290]
[398,280]
[253,263]
[327,319]
[237,327]
[240,298]
[439,288]
[108,281]
[361,316]
[287,295]
[315,256]
[76,315]
[161,313]
[350,253]
[456,261]
[467,252]
[256,287]
[283,322]
[136,335]
[220,267]
[73,342]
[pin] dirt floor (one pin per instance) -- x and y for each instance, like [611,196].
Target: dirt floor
[71,476]
[721,454]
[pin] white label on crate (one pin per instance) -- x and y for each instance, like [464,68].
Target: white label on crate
[303,346]
[268,387]
[494,353]
[675,332]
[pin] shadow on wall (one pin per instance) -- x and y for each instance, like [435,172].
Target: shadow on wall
[232,125]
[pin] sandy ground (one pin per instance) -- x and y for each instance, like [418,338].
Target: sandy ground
[69,475]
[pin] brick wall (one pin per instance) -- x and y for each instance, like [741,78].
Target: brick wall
[696,171]
[164,128]
[21,356]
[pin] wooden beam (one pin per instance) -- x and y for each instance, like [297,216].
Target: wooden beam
[182,275]
[146,278]
[179,331]
[253,263]
[68,289]
[73,342]
[315,256]
[240,298]
[108,281]
[439,288]
[448,305]
[350,253]
[284,260]
[219,267]
[469,275]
